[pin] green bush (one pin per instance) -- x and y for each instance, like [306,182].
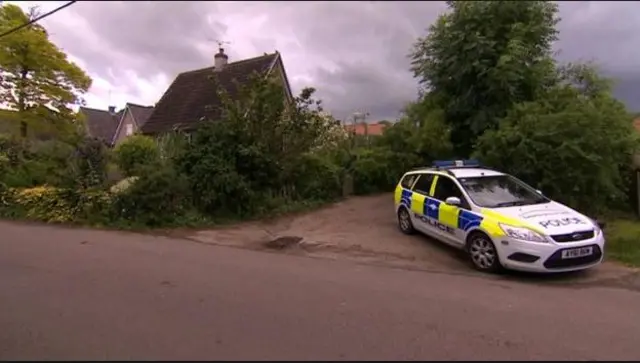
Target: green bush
[88,164]
[13,148]
[211,163]
[50,164]
[158,197]
[135,153]
[55,205]
[379,169]
[33,163]
[317,178]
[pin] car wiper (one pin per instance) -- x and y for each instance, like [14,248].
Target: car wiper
[505,204]
[512,203]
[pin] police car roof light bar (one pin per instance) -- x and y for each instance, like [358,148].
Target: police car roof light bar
[471,163]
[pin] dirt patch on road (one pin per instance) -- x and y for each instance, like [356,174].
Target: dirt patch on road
[364,229]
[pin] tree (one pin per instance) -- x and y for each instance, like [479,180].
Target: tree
[576,143]
[34,72]
[422,131]
[481,58]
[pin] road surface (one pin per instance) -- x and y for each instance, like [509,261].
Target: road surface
[96,295]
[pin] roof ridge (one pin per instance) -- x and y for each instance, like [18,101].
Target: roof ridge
[137,105]
[253,58]
[242,61]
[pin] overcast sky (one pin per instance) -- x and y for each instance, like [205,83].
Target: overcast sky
[353,53]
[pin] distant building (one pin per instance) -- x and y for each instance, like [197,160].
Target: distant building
[362,128]
[112,127]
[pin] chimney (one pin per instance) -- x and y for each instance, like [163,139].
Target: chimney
[220,60]
[112,110]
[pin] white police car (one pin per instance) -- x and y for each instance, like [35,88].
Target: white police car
[499,220]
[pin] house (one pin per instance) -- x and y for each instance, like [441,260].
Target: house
[192,97]
[363,128]
[112,127]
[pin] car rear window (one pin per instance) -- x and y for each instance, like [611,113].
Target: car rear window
[407,181]
[423,185]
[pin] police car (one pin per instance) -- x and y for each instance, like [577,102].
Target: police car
[497,219]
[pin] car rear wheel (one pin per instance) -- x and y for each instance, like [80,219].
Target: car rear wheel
[482,253]
[404,221]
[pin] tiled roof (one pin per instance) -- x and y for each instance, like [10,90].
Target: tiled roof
[366,129]
[100,123]
[192,95]
[140,113]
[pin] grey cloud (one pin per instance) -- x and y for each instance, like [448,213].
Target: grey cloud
[370,44]
[359,49]
[608,34]
[627,90]
[149,37]
[358,87]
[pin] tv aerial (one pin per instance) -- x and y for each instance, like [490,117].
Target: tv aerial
[219,42]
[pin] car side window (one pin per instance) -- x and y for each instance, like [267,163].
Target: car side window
[423,185]
[446,188]
[408,180]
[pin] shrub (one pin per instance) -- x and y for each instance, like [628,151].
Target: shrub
[89,163]
[158,197]
[13,148]
[43,203]
[35,163]
[135,153]
[55,205]
[371,173]
[317,178]
[212,161]
[50,164]
[4,164]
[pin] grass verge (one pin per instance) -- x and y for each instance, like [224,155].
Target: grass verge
[623,241]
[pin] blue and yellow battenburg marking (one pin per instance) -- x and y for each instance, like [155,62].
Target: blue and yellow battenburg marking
[437,210]
[426,207]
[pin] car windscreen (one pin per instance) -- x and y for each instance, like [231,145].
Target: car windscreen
[500,191]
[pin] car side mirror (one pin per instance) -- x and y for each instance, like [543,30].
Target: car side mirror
[453,201]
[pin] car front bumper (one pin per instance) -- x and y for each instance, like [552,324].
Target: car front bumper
[547,257]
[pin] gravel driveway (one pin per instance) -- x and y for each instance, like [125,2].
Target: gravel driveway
[364,229]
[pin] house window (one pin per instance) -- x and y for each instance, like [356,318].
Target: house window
[129,129]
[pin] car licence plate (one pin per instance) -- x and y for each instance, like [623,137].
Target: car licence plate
[577,252]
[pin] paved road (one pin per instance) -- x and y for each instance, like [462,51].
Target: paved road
[78,294]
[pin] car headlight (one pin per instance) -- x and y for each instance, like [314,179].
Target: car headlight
[522,233]
[596,227]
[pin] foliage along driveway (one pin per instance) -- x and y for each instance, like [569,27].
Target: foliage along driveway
[364,229]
